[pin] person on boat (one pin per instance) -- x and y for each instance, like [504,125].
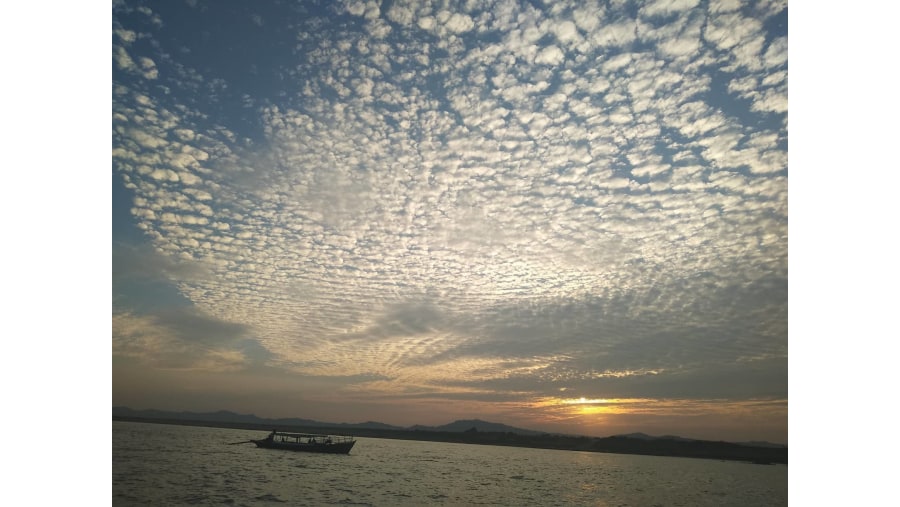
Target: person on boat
[271,436]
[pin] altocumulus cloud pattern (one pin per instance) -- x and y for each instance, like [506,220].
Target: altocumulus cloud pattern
[561,210]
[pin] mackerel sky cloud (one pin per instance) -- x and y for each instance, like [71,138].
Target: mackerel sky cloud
[569,216]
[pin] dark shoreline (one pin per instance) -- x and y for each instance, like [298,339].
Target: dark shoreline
[704,449]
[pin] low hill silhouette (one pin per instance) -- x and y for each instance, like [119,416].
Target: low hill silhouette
[476,425]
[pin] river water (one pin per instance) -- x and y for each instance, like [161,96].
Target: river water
[158,464]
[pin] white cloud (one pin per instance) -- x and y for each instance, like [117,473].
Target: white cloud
[400,14]
[748,52]
[566,32]
[378,28]
[617,62]
[148,67]
[123,59]
[127,36]
[728,30]
[550,55]
[665,7]
[588,18]
[355,8]
[146,139]
[426,23]
[716,6]
[188,178]
[680,47]
[459,23]
[373,10]
[777,52]
[771,100]
[616,35]
[650,170]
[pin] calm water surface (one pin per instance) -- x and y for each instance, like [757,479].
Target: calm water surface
[157,464]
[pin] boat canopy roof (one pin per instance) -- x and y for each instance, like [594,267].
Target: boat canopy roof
[300,435]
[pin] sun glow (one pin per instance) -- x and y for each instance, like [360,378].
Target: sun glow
[588,406]
[584,401]
[594,406]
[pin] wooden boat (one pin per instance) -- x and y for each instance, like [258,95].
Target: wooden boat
[307,442]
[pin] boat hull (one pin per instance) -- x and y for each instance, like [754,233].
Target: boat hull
[333,448]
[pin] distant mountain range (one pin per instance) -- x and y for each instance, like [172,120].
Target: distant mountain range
[644,436]
[231,417]
[476,425]
[460,426]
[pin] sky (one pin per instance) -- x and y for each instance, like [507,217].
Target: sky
[563,216]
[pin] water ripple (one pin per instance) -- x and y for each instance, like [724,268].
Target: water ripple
[185,465]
